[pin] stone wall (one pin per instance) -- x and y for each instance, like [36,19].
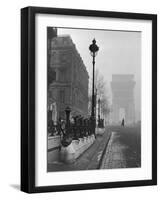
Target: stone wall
[53,148]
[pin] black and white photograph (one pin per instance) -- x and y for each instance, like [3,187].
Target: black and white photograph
[89,90]
[93,99]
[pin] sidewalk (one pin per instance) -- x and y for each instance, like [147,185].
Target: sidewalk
[89,160]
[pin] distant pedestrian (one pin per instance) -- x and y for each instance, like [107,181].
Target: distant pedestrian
[123,122]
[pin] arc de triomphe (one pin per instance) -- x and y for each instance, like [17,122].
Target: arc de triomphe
[122,86]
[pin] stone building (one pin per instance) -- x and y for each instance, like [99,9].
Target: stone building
[122,86]
[51,101]
[70,78]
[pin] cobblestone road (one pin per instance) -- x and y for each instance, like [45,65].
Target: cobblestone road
[114,156]
[123,150]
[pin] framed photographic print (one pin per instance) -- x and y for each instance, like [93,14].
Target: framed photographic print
[88,99]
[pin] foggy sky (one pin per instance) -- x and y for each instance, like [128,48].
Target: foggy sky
[119,53]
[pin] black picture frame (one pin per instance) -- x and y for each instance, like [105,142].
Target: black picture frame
[28,98]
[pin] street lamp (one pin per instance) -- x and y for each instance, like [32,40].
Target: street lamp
[67,111]
[93,50]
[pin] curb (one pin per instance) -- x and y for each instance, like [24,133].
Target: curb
[103,153]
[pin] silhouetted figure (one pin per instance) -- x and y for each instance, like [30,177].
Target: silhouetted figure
[123,122]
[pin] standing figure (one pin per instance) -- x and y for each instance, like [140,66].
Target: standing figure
[123,122]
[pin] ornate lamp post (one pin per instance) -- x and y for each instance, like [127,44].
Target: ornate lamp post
[93,50]
[67,111]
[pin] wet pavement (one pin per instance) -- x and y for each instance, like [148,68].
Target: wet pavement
[124,149]
[89,160]
[118,147]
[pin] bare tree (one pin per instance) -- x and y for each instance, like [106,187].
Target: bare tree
[102,93]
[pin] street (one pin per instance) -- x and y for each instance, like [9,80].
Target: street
[124,148]
[119,147]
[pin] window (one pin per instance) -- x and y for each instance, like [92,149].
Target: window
[63,75]
[62,96]
[54,57]
[54,75]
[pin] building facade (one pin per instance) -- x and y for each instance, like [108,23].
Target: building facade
[69,86]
